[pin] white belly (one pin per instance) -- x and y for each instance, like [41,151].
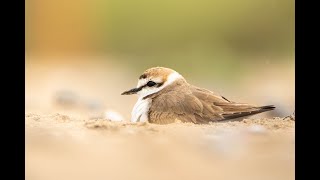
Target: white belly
[140,110]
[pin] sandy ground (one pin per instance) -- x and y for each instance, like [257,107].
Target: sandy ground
[67,137]
[59,146]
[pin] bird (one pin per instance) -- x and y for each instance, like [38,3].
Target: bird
[164,97]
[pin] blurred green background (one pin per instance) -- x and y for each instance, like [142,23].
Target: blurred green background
[208,41]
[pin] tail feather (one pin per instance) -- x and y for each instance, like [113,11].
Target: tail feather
[267,108]
[248,113]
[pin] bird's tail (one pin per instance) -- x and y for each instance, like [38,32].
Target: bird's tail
[250,112]
[266,108]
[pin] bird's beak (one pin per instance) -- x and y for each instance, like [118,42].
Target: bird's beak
[131,91]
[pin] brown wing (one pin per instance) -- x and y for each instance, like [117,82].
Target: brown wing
[222,107]
[192,104]
[171,105]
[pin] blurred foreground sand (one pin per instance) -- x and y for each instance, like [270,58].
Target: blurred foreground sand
[64,147]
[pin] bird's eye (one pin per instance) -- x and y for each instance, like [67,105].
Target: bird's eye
[151,83]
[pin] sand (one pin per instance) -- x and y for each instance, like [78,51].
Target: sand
[62,146]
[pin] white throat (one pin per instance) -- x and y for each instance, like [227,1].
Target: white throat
[141,108]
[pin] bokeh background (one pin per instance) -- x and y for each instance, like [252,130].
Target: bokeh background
[81,54]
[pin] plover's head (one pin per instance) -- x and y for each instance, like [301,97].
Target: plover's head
[153,80]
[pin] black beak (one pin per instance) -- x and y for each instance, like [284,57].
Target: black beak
[131,91]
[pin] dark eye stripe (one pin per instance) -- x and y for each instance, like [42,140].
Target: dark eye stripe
[159,84]
[151,83]
[143,86]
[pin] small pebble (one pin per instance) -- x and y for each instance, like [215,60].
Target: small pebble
[257,129]
[113,116]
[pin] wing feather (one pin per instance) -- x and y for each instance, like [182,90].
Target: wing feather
[188,103]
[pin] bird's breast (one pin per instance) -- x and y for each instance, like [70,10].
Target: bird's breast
[140,110]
